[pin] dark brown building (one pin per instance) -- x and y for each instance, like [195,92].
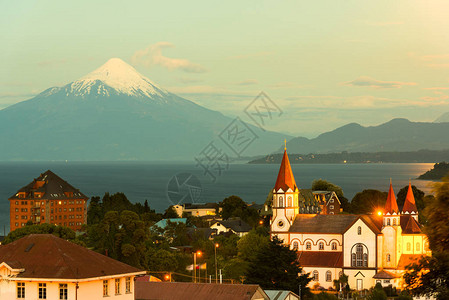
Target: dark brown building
[48,199]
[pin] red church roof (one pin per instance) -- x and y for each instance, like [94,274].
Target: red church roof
[409,204]
[391,205]
[285,178]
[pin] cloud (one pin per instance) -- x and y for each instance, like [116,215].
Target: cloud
[287,84]
[248,82]
[152,55]
[387,23]
[365,81]
[437,88]
[251,55]
[432,60]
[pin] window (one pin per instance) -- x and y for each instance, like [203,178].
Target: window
[332,200]
[331,207]
[328,276]
[42,291]
[321,246]
[128,285]
[418,248]
[281,201]
[290,204]
[21,290]
[408,246]
[359,256]
[386,280]
[295,246]
[315,275]
[334,246]
[394,222]
[388,257]
[117,286]
[63,292]
[105,288]
[359,230]
[388,222]
[308,246]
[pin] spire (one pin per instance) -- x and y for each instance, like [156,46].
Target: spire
[409,204]
[391,205]
[285,178]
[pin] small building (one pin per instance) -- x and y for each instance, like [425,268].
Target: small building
[198,291]
[281,295]
[43,266]
[236,226]
[200,209]
[48,199]
[328,202]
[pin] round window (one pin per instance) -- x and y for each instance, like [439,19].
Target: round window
[281,224]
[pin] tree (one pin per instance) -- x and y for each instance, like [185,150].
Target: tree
[59,231]
[235,207]
[368,201]
[276,267]
[417,193]
[430,275]
[324,296]
[324,185]
[170,213]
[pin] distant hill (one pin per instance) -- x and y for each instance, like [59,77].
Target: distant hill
[422,156]
[395,135]
[443,118]
[438,171]
[115,113]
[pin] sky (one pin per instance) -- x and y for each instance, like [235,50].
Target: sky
[324,63]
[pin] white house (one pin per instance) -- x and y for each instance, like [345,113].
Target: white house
[43,266]
[368,248]
[235,226]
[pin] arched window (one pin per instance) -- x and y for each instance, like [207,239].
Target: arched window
[394,221]
[359,230]
[418,247]
[408,246]
[388,222]
[328,276]
[334,246]
[339,274]
[281,201]
[290,204]
[308,246]
[295,246]
[315,275]
[388,257]
[426,246]
[359,256]
[321,246]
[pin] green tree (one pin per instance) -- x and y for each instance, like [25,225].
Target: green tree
[170,213]
[95,211]
[276,267]
[59,231]
[234,206]
[324,185]
[417,193]
[161,260]
[368,202]
[324,296]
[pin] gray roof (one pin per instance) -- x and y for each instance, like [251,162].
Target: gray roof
[236,225]
[312,223]
[280,294]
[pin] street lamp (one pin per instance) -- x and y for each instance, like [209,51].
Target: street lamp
[216,273]
[199,253]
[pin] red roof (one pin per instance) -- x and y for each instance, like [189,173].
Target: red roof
[285,178]
[409,204]
[409,225]
[47,256]
[391,205]
[332,259]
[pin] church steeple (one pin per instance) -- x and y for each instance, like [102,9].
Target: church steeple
[409,204]
[285,179]
[391,206]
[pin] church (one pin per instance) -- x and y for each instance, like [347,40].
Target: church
[367,248]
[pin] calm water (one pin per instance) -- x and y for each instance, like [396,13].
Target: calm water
[140,181]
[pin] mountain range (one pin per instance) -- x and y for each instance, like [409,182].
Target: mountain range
[395,135]
[115,113]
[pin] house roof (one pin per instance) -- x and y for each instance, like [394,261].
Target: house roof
[313,223]
[195,291]
[320,259]
[328,195]
[203,232]
[47,256]
[52,186]
[236,225]
[285,179]
[280,294]
[409,225]
[407,259]
[382,274]
[409,204]
[163,223]
[306,198]
[391,205]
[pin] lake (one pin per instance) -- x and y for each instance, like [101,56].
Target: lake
[149,180]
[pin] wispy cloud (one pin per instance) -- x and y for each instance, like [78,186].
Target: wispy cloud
[365,81]
[248,82]
[251,55]
[152,55]
[435,61]
[286,84]
[383,24]
[436,88]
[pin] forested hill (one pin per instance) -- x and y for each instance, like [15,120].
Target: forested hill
[438,171]
[421,156]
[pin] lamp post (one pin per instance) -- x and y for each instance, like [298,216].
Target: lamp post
[199,253]
[216,272]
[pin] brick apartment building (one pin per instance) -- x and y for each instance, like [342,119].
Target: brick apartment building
[48,199]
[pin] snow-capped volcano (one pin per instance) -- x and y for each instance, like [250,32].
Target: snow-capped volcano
[117,77]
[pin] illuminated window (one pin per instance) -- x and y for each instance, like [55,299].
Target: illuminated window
[290,204]
[388,222]
[295,246]
[21,290]
[394,222]
[359,230]
[328,276]
[281,201]
[128,285]
[315,275]
[321,246]
[42,291]
[408,246]
[117,286]
[63,292]
[359,256]
[105,288]
[418,247]
[308,246]
[334,246]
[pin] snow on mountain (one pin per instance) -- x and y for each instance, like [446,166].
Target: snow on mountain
[114,76]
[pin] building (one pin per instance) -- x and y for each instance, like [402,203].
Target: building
[197,209]
[281,295]
[368,248]
[43,266]
[48,199]
[328,202]
[198,291]
[235,226]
